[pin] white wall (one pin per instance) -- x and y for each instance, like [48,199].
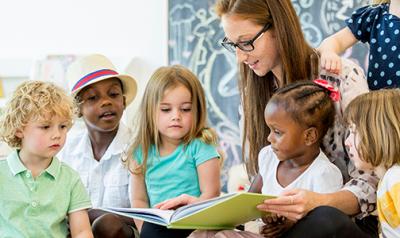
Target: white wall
[117,28]
[131,32]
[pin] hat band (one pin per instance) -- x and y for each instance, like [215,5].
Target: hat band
[92,76]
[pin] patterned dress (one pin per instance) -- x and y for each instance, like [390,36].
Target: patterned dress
[351,83]
[381,30]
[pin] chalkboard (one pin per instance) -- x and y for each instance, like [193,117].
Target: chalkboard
[194,40]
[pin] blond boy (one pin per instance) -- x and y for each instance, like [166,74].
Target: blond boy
[39,194]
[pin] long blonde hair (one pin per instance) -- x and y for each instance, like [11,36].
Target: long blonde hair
[299,62]
[377,2]
[376,118]
[163,79]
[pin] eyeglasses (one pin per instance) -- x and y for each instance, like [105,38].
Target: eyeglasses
[244,45]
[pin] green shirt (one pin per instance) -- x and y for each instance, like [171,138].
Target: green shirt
[38,207]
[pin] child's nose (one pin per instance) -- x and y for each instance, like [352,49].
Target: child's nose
[176,115]
[106,101]
[270,137]
[56,133]
[347,142]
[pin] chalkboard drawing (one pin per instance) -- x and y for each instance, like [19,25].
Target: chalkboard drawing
[195,34]
[181,18]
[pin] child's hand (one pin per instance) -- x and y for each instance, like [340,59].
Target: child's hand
[272,218]
[275,225]
[331,62]
[176,202]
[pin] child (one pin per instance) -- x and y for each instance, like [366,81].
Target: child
[378,26]
[374,143]
[175,161]
[39,195]
[298,116]
[102,95]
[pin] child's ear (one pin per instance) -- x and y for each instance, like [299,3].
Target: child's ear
[311,136]
[124,102]
[19,133]
[80,111]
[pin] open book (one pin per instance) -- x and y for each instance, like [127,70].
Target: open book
[224,212]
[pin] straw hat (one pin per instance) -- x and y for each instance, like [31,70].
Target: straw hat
[95,68]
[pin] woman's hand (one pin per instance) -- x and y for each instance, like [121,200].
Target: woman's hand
[176,202]
[293,204]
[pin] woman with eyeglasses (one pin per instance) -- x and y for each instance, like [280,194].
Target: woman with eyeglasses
[267,39]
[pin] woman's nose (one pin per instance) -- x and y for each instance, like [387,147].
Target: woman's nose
[241,56]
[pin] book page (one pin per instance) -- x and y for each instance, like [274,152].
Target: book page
[191,208]
[164,214]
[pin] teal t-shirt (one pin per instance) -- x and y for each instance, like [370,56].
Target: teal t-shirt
[38,207]
[175,174]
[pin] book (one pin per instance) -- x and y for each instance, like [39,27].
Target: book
[224,212]
[1,90]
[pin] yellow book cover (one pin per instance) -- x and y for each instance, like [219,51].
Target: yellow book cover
[1,89]
[224,212]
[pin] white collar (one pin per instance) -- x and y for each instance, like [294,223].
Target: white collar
[117,146]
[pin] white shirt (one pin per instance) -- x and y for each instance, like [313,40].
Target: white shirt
[321,176]
[107,181]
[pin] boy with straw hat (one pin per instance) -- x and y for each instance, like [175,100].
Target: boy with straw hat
[101,94]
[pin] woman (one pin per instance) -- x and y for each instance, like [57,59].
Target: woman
[272,52]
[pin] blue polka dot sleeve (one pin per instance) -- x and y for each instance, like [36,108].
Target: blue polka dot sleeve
[362,21]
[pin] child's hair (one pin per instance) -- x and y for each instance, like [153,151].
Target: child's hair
[33,100]
[308,104]
[163,79]
[377,2]
[376,118]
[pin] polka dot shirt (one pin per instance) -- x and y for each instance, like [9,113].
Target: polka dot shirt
[376,26]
